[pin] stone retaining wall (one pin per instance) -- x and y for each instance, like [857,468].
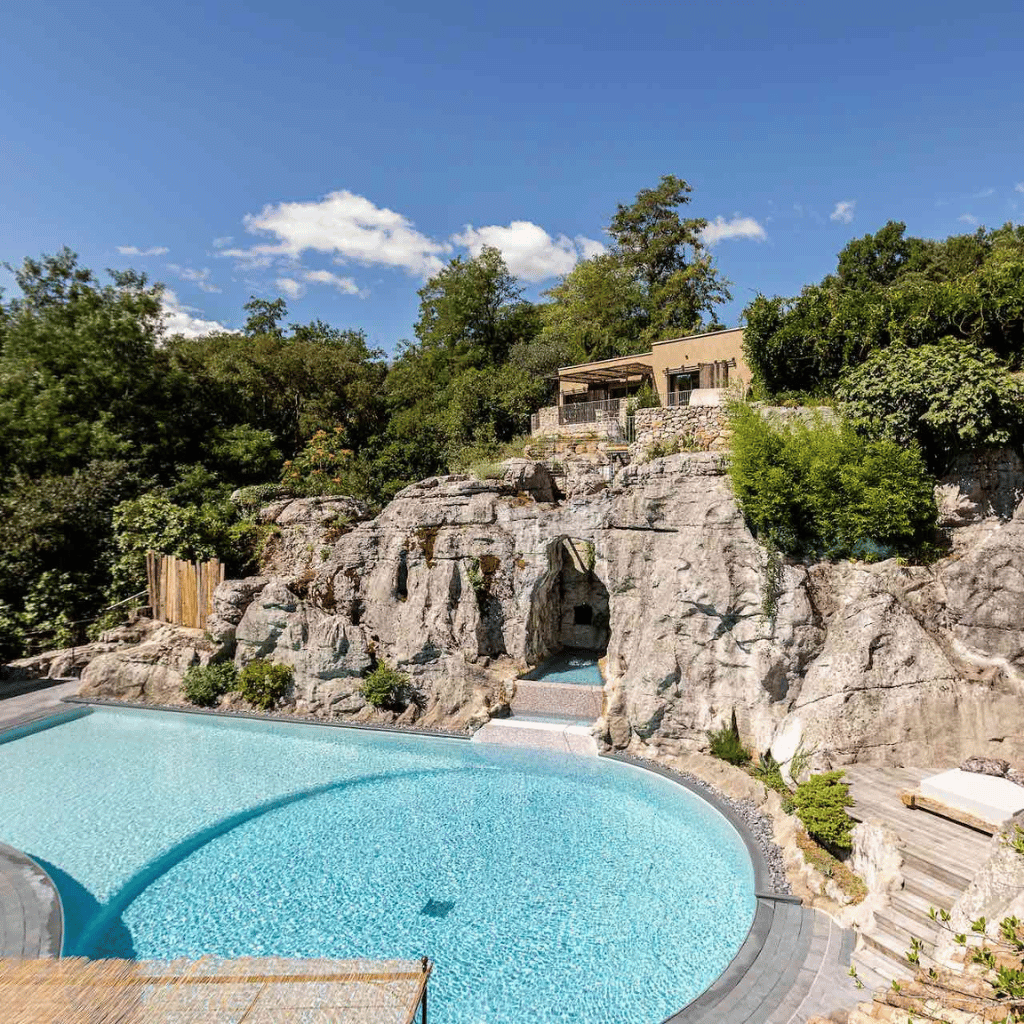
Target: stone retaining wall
[605,424]
[696,427]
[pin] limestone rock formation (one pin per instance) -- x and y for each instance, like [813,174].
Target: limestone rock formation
[463,583]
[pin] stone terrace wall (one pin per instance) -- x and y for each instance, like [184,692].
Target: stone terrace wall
[608,425]
[700,427]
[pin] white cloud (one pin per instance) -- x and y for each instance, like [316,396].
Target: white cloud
[529,251]
[343,284]
[200,278]
[292,288]
[348,226]
[968,218]
[178,318]
[220,243]
[843,213]
[1019,187]
[984,193]
[720,229]
[131,250]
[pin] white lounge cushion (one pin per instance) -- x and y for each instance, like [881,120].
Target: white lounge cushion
[986,796]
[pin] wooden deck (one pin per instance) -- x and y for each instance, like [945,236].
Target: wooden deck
[953,850]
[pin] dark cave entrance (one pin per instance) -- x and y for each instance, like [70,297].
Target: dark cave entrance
[570,605]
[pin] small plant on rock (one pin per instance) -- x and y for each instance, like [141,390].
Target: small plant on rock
[821,804]
[206,684]
[726,744]
[384,686]
[262,684]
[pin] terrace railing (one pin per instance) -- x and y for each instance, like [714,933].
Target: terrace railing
[589,412]
[678,398]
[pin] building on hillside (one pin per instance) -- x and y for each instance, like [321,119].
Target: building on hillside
[695,370]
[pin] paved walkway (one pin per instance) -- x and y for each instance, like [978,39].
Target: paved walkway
[794,965]
[21,703]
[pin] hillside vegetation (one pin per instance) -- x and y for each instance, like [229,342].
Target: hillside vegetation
[115,438]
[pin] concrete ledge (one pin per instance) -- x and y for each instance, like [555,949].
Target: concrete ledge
[268,716]
[31,912]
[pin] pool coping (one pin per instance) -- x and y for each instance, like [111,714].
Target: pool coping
[746,969]
[267,716]
[32,912]
[766,925]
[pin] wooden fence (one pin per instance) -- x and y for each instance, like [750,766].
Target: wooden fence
[182,592]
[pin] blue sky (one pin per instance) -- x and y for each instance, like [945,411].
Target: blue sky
[338,152]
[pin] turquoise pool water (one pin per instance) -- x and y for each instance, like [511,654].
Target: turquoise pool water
[546,889]
[569,666]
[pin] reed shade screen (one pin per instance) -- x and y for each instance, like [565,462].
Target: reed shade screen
[182,592]
[248,990]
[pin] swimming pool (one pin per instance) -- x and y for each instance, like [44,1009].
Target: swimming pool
[570,665]
[546,888]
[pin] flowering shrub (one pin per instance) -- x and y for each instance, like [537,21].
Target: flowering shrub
[324,466]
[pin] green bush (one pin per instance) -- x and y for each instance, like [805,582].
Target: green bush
[769,771]
[818,488]
[206,684]
[821,804]
[384,686]
[947,397]
[726,744]
[263,684]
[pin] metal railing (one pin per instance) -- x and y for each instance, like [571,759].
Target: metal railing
[589,412]
[678,398]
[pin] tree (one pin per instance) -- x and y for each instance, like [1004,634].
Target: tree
[667,256]
[78,369]
[596,311]
[265,317]
[947,397]
[875,260]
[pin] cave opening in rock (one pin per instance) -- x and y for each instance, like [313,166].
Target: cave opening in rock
[570,605]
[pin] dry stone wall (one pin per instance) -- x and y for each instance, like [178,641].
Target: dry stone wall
[695,427]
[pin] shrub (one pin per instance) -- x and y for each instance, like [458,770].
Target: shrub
[645,398]
[769,771]
[821,804]
[384,686]
[206,684]
[947,397]
[725,744]
[818,488]
[326,465]
[263,684]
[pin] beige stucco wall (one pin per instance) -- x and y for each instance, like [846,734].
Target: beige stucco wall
[665,355]
[699,348]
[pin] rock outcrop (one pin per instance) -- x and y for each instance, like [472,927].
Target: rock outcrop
[463,583]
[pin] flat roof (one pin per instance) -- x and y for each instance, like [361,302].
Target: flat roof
[693,337]
[610,359]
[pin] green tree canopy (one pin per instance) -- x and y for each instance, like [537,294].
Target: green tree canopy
[950,396]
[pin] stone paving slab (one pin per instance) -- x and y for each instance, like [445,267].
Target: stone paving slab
[31,915]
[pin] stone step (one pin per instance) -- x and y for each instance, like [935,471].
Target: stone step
[559,735]
[876,971]
[915,907]
[924,885]
[894,947]
[903,926]
[957,879]
[568,700]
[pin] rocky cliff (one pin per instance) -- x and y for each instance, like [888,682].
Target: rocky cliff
[462,584]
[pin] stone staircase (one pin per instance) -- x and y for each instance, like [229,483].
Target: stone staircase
[548,716]
[939,859]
